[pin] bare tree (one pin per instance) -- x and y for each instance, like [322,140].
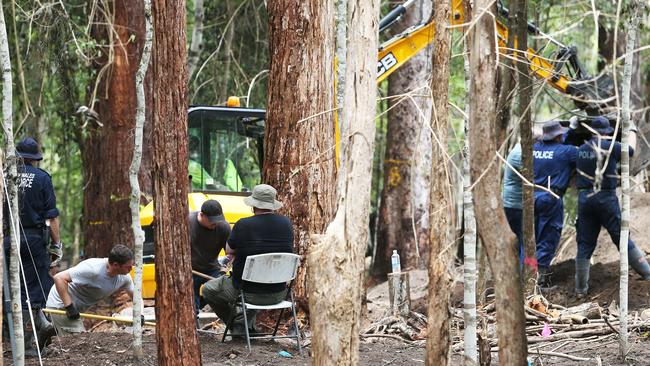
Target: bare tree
[632,31]
[524,89]
[336,259]
[12,189]
[134,203]
[438,338]
[491,222]
[196,45]
[299,143]
[470,355]
[403,213]
[175,327]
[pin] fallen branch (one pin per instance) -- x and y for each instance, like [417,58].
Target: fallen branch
[570,335]
[392,336]
[558,354]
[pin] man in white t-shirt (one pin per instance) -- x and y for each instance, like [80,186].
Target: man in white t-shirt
[87,283]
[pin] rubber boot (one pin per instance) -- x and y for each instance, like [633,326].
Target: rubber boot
[28,333]
[544,279]
[582,277]
[44,329]
[639,263]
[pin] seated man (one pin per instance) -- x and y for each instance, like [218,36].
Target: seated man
[264,232]
[78,288]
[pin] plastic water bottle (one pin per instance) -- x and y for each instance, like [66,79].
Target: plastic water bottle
[394,261]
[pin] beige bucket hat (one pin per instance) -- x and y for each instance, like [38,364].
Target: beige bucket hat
[263,197]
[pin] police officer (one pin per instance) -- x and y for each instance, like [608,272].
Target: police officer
[553,163]
[597,201]
[39,221]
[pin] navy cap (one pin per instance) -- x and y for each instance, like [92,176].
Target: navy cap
[601,125]
[212,209]
[28,148]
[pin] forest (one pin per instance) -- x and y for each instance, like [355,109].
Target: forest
[466,181]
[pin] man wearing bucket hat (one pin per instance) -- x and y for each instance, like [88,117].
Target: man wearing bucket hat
[553,163]
[39,223]
[597,201]
[264,232]
[209,231]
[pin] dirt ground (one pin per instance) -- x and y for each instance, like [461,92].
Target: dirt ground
[111,345]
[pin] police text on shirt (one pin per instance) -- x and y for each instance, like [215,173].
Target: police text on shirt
[543,154]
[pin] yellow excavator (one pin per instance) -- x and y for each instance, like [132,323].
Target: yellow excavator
[225,142]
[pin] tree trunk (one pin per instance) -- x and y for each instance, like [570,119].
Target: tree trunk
[196,45]
[403,214]
[491,222]
[520,28]
[175,326]
[470,272]
[2,252]
[134,203]
[106,150]
[632,29]
[441,209]
[335,263]
[12,181]
[299,154]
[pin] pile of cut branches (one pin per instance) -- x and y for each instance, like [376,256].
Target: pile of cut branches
[411,329]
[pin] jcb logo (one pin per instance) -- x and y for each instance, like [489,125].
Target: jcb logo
[386,63]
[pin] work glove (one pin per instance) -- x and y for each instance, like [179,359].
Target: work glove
[573,122]
[223,260]
[72,312]
[56,253]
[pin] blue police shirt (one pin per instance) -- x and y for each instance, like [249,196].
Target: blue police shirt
[512,192]
[588,159]
[555,161]
[36,200]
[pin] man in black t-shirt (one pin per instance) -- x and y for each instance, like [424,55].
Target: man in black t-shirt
[209,231]
[264,232]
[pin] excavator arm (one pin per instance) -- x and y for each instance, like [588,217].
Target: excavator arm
[564,72]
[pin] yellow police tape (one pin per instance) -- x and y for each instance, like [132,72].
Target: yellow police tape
[98,317]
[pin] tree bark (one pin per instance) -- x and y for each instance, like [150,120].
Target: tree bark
[470,272]
[106,150]
[299,154]
[491,222]
[441,208]
[12,182]
[403,214]
[175,327]
[134,203]
[632,29]
[335,262]
[520,29]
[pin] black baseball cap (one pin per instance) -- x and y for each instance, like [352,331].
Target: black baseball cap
[212,209]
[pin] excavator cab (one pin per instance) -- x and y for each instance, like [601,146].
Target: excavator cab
[225,149]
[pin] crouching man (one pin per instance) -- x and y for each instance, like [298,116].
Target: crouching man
[78,288]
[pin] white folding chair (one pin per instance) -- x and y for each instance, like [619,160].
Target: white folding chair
[268,268]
